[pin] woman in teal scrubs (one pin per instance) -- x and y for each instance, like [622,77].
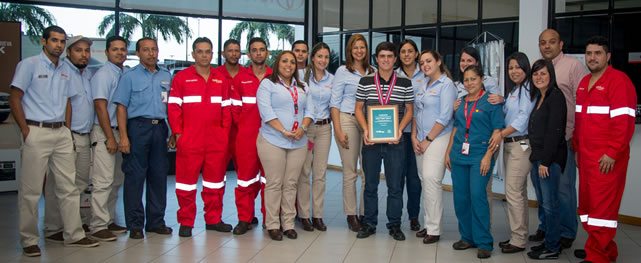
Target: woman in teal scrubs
[470,159]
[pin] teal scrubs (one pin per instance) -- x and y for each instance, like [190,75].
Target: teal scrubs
[470,198]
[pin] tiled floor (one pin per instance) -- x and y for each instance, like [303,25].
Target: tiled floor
[336,245]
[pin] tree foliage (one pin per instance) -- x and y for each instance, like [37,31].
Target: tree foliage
[167,27]
[35,19]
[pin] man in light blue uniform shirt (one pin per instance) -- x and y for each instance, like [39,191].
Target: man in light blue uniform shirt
[106,175]
[77,59]
[40,93]
[141,97]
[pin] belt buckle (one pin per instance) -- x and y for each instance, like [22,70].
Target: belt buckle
[154,122]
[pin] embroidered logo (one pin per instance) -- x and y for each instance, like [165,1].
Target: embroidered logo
[191,80]
[217,81]
[600,88]
[43,76]
[247,82]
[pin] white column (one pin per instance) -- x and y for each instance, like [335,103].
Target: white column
[532,21]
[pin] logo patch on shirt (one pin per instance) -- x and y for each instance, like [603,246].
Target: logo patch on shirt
[43,76]
[191,80]
[328,86]
[217,81]
[64,75]
[600,88]
[164,82]
[247,82]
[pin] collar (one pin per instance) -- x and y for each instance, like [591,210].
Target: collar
[417,72]
[439,80]
[113,67]
[558,58]
[47,61]
[324,78]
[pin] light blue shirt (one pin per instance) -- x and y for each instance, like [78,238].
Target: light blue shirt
[144,93]
[103,84]
[435,104]
[275,102]
[517,109]
[344,89]
[489,83]
[46,88]
[321,93]
[418,81]
[81,104]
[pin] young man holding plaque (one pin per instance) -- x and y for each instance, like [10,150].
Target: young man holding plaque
[384,105]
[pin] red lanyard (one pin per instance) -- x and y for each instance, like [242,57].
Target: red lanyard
[383,100]
[293,91]
[468,117]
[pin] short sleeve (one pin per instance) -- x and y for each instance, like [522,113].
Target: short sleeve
[123,91]
[23,75]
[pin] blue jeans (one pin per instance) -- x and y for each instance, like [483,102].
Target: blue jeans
[410,179]
[146,165]
[567,200]
[547,194]
[391,155]
[471,206]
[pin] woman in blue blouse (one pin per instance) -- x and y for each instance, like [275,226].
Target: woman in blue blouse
[516,150]
[470,158]
[286,111]
[347,133]
[431,128]
[319,134]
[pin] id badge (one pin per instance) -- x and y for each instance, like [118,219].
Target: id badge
[163,96]
[295,126]
[524,146]
[465,150]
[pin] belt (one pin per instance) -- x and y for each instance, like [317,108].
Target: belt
[152,121]
[515,138]
[350,113]
[52,125]
[324,121]
[80,133]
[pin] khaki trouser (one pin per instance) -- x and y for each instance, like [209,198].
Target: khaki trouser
[431,169]
[316,162]
[517,169]
[282,170]
[349,159]
[53,220]
[47,149]
[106,177]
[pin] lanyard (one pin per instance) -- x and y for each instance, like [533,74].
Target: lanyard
[383,100]
[292,92]
[468,117]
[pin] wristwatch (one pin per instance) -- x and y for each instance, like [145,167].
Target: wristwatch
[427,137]
[304,128]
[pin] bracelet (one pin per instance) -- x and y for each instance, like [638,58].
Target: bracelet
[283,131]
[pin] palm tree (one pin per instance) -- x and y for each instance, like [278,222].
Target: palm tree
[35,18]
[152,26]
[262,30]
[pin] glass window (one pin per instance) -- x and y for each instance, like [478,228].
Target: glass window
[575,31]
[328,15]
[627,4]
[386,13]
[334,43]
[453,39]
[193,7]
[286,11]
[509,32]
[425,38]
[623,45]
[355,14]
[101,3]
[500,8]
[420,12]
[278,36]
[574,5]
[459,10]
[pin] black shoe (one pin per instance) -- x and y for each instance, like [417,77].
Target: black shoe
[422,233]
[537,237]
[566,242]
[319,224]
[543,254]
[511,249]
[220,227]
[136,234]
[429,239]
[291,234]
[161,230]
[353,223]
[482,253]
[580,253]
[396,233]
[503,244]
[254,221]
[31,251]
[414,224]
[366,231]
[307,224]
[540,247]
[461,245]
[275,234]
[242,228]
[56,238]
[116,229]
[184,231]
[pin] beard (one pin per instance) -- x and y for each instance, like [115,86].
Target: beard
[80,66]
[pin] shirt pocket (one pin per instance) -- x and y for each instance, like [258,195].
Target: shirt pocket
[140,92]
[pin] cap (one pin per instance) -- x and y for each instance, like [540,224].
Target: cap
[71,41]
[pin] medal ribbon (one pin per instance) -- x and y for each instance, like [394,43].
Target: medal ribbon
[383,100]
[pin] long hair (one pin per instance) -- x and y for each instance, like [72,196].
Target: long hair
[403,43]
[538,65]
[310,70]
[437,56]
[349,63]
[524,63]
[274,77]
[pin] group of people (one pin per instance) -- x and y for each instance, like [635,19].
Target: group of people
[275,123]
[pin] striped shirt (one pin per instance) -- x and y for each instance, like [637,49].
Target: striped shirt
[402,92]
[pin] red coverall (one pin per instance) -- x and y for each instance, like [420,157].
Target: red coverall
[245,125]
[604,125]
[196,111]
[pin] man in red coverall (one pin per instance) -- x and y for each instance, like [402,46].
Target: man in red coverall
[201,122]
[605,111]
[245,132]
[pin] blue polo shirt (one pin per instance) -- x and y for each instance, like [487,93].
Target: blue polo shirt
[103,84]
[46,88]
[81,104]
[344,89]
[275,102]
[321,93]
[418,81]
[485,119]
[434,104]
[517,109]
[142,91]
